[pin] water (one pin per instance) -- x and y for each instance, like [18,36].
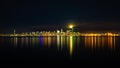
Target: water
[60,49]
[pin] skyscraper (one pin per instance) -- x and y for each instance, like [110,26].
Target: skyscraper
[14,32]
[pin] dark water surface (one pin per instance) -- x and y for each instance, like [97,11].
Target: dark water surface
[60,49]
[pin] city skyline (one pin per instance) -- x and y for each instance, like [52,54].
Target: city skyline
[82,27]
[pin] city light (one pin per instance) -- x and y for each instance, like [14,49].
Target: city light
[61,32]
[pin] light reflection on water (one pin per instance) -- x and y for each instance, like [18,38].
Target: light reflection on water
[71,45]
[100,42]
[69,42]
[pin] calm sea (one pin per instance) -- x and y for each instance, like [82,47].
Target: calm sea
[60,49]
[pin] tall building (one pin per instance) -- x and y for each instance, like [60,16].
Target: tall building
[14,32]
[61,30]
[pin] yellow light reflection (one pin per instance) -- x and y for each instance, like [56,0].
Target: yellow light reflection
[26,40]
[12,40]
[58,42]
[95,41]
[22,41]
[30,41]
[61,42]
[110,41]
[92,42]
[49,41]
[89,42]
[86,41]
[114,41]
[37,41]
[78,41]
[99,42]
[67,40]
[45,39]
[71,45]
[33,41]
[15,41]
[103,41]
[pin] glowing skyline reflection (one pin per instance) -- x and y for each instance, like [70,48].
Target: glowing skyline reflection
[67,42]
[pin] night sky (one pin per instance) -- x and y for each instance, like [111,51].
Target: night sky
[32,15]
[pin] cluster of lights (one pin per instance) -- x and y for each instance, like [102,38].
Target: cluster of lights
[71,26]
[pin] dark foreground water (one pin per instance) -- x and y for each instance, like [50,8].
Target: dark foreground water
[60,49]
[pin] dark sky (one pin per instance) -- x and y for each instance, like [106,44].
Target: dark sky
[26,14]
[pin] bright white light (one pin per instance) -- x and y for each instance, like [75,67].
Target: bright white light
[71,26]
[58,31]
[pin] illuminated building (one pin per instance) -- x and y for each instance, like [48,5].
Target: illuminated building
[14,32]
